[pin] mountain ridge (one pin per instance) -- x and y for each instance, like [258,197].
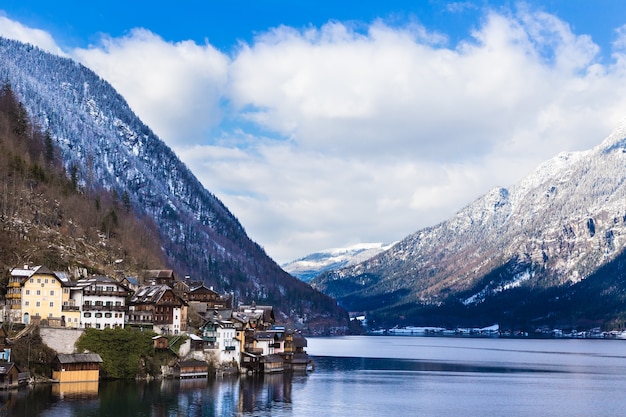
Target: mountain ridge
[105,145]
[554,228]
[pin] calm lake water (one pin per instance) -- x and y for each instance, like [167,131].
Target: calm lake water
[374,376]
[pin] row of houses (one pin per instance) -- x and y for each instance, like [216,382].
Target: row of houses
[160,303]
[246,335]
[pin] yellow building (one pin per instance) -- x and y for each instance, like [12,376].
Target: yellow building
[45,296]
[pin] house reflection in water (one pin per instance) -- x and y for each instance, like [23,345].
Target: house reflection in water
[75,389]
[262,393]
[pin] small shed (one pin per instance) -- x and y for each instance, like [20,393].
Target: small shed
[9,375]
[76,367]
[160,342]
[191,369]
[272,363]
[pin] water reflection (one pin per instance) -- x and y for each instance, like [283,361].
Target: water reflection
[408,376]
[198,397]
[75,389]
[333,364]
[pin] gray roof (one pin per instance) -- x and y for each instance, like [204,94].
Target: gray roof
[79,358]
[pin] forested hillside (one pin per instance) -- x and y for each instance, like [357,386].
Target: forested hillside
[102,145]
[47,218]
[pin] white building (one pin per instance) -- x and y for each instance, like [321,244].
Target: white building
[220,335]
[102,302]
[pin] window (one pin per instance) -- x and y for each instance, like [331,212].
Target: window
[38,292]
[97,325]
[51,303]
[66,290]
[107,315]
[46,280]
[32,280]
[37,304]
[87,315]
[50,315]
[51,292]
[26,303]
[38,280]
[27,292]
[98,315]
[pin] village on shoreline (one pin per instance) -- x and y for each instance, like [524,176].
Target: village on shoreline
[201,330]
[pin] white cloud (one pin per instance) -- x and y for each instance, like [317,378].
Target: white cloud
[175,88]
[14,30]
[389,131]
[367,135]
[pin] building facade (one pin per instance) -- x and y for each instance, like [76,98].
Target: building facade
[102,301]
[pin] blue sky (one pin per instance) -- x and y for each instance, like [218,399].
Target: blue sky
[224,23]
[326,124]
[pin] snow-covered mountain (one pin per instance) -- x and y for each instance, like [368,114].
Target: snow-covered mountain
[564,223]
[310,266]
[105,145]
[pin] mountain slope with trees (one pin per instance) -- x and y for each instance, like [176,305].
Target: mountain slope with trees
[103,145]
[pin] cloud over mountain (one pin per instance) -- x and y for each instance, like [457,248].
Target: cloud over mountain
[327,136]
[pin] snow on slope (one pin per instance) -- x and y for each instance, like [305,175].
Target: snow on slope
[312,265]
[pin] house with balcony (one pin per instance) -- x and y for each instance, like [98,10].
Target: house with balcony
[159,308]
[101,300]
[220,336]
[42,296]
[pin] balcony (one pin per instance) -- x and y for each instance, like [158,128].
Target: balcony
[70,308]
[122,294]
[229,347]
[90,307]
[14,284]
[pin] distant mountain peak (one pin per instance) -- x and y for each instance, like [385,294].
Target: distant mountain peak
[563,223]
[310,266]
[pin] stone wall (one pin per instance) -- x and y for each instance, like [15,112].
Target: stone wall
[59,339]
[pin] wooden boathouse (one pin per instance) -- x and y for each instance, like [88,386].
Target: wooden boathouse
[76,367]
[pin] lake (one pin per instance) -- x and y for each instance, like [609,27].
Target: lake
[373,376]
